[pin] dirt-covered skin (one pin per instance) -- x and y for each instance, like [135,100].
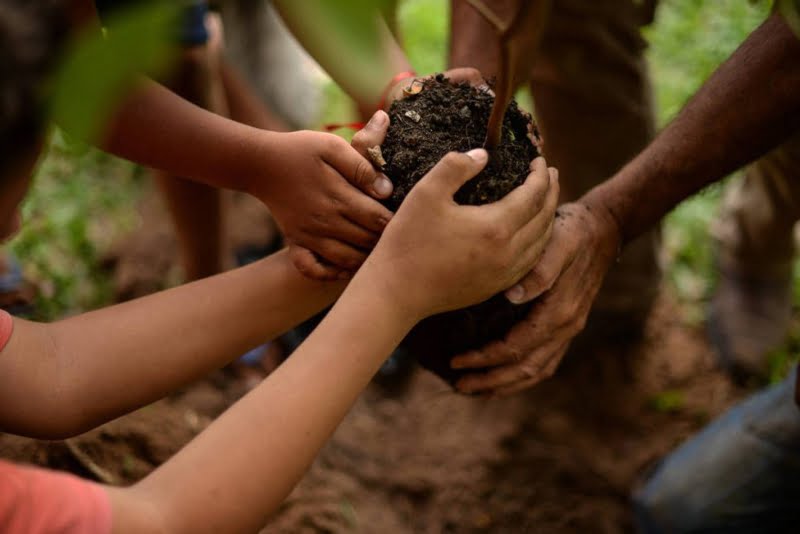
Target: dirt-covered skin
[425,126]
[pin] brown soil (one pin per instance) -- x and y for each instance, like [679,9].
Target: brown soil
[441,118]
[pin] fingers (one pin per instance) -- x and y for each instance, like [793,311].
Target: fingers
[307,263]
[548,371]
[531,370]
[353,234]
[532,238]
[337,253]
[557,258]
[372,134]
[355,168]
[454,170]
[493,354]
[521,205]
[364,211]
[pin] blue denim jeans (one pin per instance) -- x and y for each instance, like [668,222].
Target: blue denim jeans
[740,474]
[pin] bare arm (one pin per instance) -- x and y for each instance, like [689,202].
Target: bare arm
[316,186]
[363,72]
[257,451]
[749,105]
[77,373]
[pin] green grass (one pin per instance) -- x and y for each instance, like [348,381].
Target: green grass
[82,201]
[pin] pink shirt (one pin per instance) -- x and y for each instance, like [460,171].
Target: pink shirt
[38,501]
[6,327]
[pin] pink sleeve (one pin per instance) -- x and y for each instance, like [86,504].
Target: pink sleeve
[38,501]
[6,327]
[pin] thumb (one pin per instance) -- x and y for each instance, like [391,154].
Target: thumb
[372,134]
[454,170]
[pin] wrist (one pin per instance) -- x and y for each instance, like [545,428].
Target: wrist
[263,151]
[382,285]
[609,230]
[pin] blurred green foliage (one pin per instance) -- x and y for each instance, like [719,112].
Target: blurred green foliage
[668,401]
[100,67]
[81,201]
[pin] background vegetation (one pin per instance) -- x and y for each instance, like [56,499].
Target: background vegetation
[83,200]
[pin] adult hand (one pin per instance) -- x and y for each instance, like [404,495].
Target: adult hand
[436,255]
[324,200]
[566,280]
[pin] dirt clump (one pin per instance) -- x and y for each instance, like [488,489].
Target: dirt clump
[441,118]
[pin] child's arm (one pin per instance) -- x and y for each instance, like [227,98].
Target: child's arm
[311,181]
[368,74]
[434,256]
[66,377]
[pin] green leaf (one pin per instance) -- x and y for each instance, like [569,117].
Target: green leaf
[100,67]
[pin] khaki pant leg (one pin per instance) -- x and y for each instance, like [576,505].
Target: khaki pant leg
[758,213]
[594,108]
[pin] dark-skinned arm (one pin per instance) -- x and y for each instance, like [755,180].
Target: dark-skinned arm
[748,106]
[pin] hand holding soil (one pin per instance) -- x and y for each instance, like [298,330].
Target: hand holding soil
[441,117]
[436,255]
[584,244]
[322,193]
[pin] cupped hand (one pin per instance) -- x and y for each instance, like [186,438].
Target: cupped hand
[565,282]
[436,255]
[324,201]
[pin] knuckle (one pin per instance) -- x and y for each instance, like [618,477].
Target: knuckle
[580,323]
[549,372]
[359,139]
[333,144]
[535,281]
[495,232]
[364,174]
[529,368]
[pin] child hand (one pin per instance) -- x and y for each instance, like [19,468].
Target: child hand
[436,255]
[321,205]
[306,261]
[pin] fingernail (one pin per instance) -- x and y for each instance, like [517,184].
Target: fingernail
[378,119]
[516,294]
[382,186]
[478,154]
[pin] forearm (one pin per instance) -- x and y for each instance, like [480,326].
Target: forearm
[362,71]
[257,451]
[82,371]
[748,106]
[157,128]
